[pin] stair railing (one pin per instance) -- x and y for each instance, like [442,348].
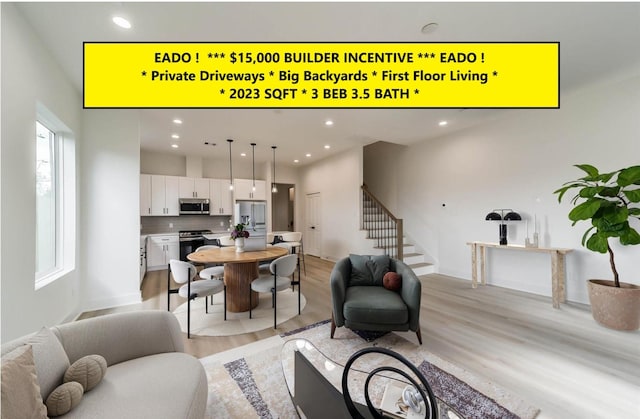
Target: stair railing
[387,227]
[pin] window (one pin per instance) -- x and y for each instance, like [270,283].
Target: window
[47,194]
[55,198]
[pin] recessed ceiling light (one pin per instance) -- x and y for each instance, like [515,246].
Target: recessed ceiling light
[327,146]
[122,22]
[176,136]
[429,28]
[243,154]
[296,161]
[177,121]
[442,123]
[175,145]
[328,122]
[308,154]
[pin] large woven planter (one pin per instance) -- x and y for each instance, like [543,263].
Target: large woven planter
[615,308]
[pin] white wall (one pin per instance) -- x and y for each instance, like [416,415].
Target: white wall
[110,214]
[155,163]
[242,168]
[338,180]
[381,172]
[173,164]
[29,74]
[517,162]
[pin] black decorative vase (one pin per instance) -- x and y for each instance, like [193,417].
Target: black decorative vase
[503,234]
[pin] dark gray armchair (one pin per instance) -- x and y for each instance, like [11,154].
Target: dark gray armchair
[361,302]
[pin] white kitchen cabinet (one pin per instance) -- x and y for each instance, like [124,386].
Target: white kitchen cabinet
[164,195]
[194,188]
[160,250]
[221,197]
[145,194]
[243,189]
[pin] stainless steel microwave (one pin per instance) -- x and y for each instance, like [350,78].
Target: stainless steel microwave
[194,206]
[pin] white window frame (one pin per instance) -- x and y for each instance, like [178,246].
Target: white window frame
[65,198]
[57,193]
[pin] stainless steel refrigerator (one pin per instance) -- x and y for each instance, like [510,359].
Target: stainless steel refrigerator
[254,214]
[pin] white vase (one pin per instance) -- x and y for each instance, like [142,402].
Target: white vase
[240,245]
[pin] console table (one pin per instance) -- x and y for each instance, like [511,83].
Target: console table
[558,292]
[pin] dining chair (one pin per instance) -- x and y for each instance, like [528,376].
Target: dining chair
[184,273]
[226,241]
[208,272]
[264,267]
[278,280]
[211,270]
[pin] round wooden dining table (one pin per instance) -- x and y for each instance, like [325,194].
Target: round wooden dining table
[239,270]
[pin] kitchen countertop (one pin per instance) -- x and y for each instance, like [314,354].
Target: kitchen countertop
[215,234]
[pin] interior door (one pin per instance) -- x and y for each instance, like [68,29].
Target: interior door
[313,233]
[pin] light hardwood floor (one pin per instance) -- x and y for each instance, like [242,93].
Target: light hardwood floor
[558,360]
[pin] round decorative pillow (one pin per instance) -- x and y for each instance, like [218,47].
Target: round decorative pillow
[392,281]
[64,398]
[88,371]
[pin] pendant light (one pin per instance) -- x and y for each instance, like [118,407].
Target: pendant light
[230,167]
[253,162]
[274,188]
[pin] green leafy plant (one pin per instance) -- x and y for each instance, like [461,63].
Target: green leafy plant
[609,200]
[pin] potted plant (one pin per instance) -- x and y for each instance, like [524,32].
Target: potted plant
[238,234]
[611,202]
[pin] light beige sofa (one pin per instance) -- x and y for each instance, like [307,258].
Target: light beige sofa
[148,375]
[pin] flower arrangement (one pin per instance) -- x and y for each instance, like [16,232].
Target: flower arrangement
[239,231]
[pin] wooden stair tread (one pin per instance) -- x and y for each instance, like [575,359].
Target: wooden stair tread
[420,265]
[393,246]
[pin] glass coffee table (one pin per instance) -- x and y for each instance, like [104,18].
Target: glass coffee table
[314,382]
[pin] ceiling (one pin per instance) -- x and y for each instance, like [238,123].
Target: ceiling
[595,39]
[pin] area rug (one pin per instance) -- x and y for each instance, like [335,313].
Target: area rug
[249,381]
[213,323]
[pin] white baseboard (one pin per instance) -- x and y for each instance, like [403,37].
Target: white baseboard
[71,317]
[121,300]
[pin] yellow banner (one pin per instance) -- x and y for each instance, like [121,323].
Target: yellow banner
[321,75]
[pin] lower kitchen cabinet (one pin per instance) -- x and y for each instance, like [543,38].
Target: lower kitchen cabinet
[160,250]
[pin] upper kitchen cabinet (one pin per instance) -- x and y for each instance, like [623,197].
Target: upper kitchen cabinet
[194,188]
[243,189]
[145,194]
[220,197]
[159,195]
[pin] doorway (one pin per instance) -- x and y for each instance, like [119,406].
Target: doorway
[283,208]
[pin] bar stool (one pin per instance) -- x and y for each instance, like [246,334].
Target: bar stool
[294,241]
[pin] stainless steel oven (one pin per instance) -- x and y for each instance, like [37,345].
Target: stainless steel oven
[190,240]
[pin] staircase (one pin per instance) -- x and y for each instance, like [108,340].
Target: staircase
[383,229]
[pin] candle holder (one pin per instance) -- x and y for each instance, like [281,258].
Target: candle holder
[534,242]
